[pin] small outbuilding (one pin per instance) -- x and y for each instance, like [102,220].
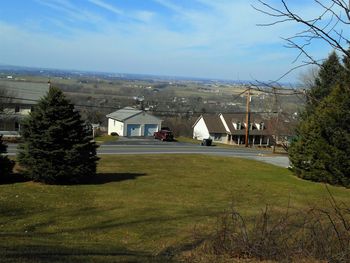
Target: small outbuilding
[132,122]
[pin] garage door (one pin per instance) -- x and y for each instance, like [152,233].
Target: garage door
[133,130]
[150,129]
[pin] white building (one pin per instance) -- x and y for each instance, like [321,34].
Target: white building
[231,129]
[17,100]
[132,122]
[210,126]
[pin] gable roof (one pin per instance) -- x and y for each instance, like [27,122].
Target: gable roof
[214,124]
[233,118]
[24,92]
[240,117]
[124,114]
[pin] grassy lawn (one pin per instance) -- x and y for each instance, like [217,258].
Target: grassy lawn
[141,206]
[187,140]
[106,138]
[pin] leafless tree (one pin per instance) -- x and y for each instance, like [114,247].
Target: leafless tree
[328,26]
[308,77]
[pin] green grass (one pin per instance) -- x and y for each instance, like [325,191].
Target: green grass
[106,138]
[187,140]
[142,206]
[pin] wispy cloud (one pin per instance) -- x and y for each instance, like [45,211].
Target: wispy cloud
[145,16]
[107,6]
[200,38]
[70,11]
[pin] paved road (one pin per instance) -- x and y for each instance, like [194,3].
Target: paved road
[150,146]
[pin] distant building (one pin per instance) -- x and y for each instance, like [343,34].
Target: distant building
[231,129]
[132,122]
[16,102]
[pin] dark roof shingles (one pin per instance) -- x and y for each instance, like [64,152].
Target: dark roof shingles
[214,124]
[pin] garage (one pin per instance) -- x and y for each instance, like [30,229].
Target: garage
[132,122]
[133,130]
[150,129]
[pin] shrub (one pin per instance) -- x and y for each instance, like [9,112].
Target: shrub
[314,234]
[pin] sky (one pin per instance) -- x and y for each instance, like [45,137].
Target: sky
[215,39]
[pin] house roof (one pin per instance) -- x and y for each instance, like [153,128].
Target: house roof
[233,118]
[214,124]
[240,117]
[124,114]
[24,92]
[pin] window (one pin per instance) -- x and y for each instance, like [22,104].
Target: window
[17,108]
[217,136]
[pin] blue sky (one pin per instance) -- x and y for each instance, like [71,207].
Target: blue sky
[195,38]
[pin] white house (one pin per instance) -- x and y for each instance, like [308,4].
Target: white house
[210,126]
[132,122]
[16,102]
[231,129]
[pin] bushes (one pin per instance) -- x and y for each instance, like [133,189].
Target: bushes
[314,234]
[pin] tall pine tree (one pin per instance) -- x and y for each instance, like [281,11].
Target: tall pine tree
[346,71]
[57,145]
[329,75]
[6,165]
[322,149]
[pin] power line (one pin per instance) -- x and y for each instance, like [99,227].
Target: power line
[239,95]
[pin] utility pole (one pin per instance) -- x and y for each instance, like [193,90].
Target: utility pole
[276,110]
[247,119]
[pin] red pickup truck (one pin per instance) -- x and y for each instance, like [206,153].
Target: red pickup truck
[164,134]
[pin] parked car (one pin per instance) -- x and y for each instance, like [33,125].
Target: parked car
[206,142]
[165,134]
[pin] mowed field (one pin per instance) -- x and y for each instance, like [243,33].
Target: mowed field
[142,208]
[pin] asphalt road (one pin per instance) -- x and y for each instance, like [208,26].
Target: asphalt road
[149,146]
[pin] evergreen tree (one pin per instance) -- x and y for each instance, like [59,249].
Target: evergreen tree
[330,74]
[57,145]
[6,165]
[346,71]
[322,150]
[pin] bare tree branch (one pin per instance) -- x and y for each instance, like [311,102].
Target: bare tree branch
[327,27]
